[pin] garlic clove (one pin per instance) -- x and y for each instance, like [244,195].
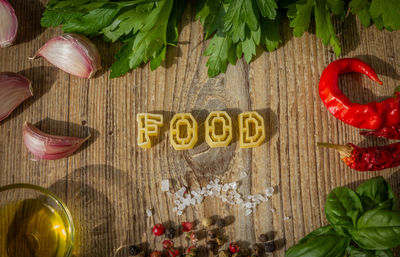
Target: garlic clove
[14,89]
[72,53]
[49,147]
[8,24]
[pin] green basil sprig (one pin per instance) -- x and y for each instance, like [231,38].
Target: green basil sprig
[365,223]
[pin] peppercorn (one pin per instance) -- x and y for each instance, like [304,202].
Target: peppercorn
[224,253]
[263,238]
[174,252]
[269,247]
[156,254]
[141,254]
[207,222]
[211,245]
[191,251]
[167,244]
[256,249]
[170,233]
[234,248]
[134,250]
[220,223]
[244,252]
[212,234]
[219,241]
[187,226]
[158,230]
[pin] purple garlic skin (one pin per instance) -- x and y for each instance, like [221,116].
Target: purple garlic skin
[8,24]
[49,147]
[72,53]
[14,89]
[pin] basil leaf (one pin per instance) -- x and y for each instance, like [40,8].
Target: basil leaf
[343,207]
[329,245]
[384,253]
[354,251]
[377,193]
[378,230]
[326,230]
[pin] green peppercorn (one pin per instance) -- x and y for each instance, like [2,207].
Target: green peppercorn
[206,222]
[220,223]
[219,241]
[224,253]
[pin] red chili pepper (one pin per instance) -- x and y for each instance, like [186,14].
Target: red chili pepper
[369,158]
[392,132]
[374,115]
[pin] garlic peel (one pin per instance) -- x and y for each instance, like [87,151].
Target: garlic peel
[49,147]
[72,53]
[14,89]
[8,24]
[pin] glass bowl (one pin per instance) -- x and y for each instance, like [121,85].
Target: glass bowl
[34,222]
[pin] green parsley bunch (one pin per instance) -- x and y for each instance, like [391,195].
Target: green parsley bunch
[235,27]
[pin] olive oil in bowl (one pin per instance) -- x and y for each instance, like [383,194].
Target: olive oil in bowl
[34,227]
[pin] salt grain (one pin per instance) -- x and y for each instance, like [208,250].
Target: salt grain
[287,218]
[165,185]
[227,193]
[149,213]
[269,191]
[243,174]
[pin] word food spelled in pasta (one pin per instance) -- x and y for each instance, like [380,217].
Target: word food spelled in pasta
[218,129]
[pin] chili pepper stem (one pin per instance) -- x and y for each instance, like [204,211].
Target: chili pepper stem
[344,150]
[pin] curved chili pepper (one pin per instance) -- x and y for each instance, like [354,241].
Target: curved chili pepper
[374,115]
[369,158]
[392,132]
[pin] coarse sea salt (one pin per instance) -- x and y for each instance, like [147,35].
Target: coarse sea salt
[149,213]
[165,185]
[227,193]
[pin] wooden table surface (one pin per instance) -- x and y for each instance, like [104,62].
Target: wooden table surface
[110,182]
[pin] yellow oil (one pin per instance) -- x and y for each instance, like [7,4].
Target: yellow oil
[30,228]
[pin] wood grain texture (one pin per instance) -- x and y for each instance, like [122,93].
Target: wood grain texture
[110,182]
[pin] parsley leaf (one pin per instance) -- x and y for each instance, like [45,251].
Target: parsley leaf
[239,27]
[300,15]
[384,13]
[236,28]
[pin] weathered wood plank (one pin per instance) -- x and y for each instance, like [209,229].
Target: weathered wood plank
[110,183]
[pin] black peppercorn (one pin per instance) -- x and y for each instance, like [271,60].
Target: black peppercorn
[212,234]
[134,250]
[269,247]
[170,233]
[220,223]
[211,245]
[263,238]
